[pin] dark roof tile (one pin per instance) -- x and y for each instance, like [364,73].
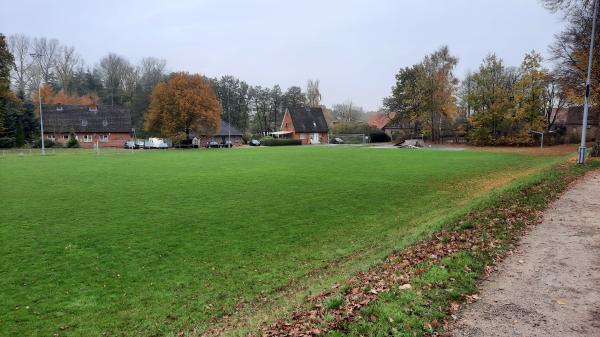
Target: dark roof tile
[308,120]
[78,117]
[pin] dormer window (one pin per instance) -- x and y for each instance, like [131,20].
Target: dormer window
[105,123]
[59,107]
[84,122]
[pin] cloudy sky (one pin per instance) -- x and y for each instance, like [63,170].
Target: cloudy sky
[353,47]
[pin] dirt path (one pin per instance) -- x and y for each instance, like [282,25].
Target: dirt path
[551,285]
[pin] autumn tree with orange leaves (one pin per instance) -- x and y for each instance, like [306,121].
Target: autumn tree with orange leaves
[49,96]
[185,103]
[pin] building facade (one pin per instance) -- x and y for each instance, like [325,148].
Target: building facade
[306,124]
[103,125]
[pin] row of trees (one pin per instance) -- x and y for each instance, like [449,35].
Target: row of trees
[17,122]
[423,95]
[114,80]
[500,104]
[258,109]
[503,104]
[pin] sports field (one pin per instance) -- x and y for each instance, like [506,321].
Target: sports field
[154,242]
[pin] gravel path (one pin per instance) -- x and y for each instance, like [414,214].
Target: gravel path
[550,286]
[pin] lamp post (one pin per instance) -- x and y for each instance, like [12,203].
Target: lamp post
[586,104]
[38,57]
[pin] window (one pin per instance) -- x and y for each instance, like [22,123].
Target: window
[87,138]
[50,136]
[65,136]
[84,122]
[104,138]
[104,122]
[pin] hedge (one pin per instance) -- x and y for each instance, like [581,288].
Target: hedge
[268,141]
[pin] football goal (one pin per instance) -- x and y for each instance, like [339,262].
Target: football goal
[353,138]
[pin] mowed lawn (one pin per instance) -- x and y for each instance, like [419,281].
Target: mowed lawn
[147,243]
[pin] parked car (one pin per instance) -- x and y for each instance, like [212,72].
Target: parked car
[185,144]
[338,141]
[134,144]
[155,143]
[212,144]
[227,144]
[254,142]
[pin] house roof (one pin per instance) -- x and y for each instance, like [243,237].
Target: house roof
[381,120]
[105,119]
[224,130]
[574,115]
[388,121]
[308,120]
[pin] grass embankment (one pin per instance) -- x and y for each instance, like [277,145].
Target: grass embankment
[156,242]
[413,291]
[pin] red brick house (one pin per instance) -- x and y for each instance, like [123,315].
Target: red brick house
[392,127]
[307,124]
[107,125]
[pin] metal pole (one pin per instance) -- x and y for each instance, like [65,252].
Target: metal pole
[41,118]
[542,142]
[586,104]
[38,57]
[228,119]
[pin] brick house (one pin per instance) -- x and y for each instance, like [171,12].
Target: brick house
[392,127]
[306,124]
[107,125]
[571,119]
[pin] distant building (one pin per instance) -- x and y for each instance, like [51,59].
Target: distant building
[388,124]
[226,131]
[306,124]
[571,120]
[109,126]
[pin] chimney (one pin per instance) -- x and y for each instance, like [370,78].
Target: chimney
[92,107]
[59,107]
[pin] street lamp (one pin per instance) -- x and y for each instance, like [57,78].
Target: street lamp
[38,57]
[586,104]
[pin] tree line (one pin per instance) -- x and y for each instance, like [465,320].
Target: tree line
[499,104]
[114,80]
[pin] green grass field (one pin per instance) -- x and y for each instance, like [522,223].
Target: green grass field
[150,242]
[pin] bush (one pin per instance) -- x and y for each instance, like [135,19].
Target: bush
[73,142]
[270,141]
[7,142]
[247,136]
[47,143]
[379,137]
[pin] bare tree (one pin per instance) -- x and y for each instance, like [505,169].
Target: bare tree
[20,46]
[116,74]
[47,51]
[554,100]
[313,94]
[67,62]
[347,111]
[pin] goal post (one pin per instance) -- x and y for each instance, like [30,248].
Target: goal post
[348,138]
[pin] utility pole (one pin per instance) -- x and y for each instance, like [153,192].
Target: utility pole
[228,119]
[39,57]
[586,104]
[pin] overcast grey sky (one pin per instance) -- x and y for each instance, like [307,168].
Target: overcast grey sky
[353,47]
